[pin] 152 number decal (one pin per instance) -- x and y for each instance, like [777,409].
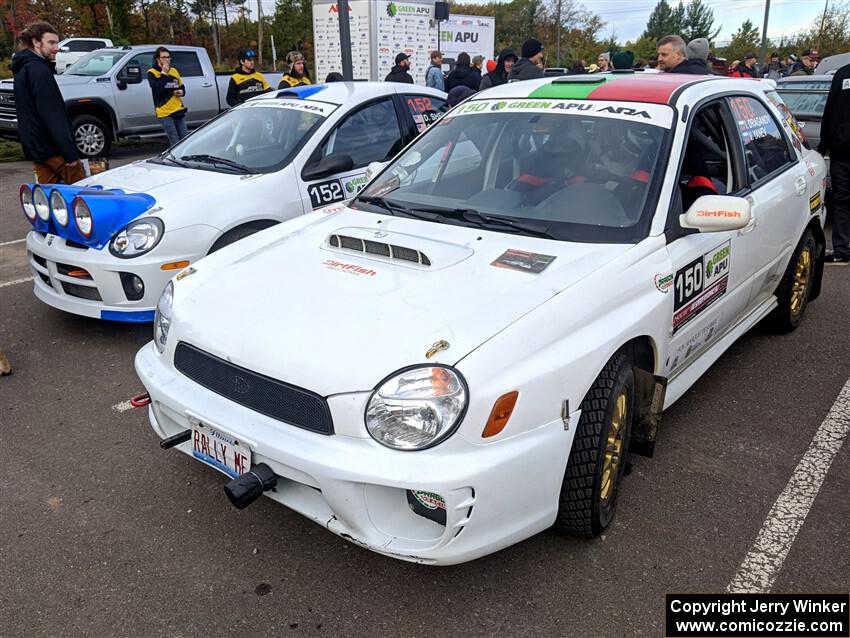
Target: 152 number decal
[325,193]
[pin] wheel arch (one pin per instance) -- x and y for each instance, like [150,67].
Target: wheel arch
[95,107]
[256,224]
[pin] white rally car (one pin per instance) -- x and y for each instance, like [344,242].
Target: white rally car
[465,355]
[106,246]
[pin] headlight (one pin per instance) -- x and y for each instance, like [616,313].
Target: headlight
[162,317]
[82,217]
[137,238]
[417,408]
[59,208]
[42,206]
[27,203]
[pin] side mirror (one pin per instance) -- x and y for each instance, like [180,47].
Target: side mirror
[65,49]
[132,74]
[327,166]
[717,213]
[373,169]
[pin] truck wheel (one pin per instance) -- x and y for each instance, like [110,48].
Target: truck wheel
[592,480]
[795,287]
[92,136]
[240,232]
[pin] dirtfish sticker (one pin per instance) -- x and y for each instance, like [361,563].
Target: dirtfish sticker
[664,282]
[351,269]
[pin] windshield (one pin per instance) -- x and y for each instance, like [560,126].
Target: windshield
[575,171]
[95,63]
[804,103]
[259,137]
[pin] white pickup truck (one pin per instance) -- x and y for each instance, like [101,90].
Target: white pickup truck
[108,96]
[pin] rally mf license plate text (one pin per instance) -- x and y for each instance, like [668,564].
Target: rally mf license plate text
[218,449]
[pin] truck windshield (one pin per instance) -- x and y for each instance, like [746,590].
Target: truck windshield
[95,63]
[574,171]
[261,136]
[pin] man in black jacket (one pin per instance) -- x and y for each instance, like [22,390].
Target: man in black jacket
[44,126]
[526,67]
[399,72]
[835,139]
[499,75]
[463,74]
[246,81]
[672,57]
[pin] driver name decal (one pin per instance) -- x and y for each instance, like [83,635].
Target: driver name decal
[700,284]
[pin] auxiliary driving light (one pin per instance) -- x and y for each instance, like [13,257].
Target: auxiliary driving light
[27,204]
[42,206]
[59,207]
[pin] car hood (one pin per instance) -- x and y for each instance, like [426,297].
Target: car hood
[73,80]
[288,304]
[178,191]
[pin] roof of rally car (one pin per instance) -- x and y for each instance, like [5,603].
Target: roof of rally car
[341,92]
[657,88]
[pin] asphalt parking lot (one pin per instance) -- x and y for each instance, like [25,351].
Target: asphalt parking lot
[104,534]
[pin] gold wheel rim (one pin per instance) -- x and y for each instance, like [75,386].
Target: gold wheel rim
[613,449]
[800,285]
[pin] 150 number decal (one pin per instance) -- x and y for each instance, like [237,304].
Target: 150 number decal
[700,284]
[325,193]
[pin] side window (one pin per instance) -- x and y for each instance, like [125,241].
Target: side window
[187,63]
[765,147]
[90,45]
[707,161]
[425,109]
[369,135]
[144,60]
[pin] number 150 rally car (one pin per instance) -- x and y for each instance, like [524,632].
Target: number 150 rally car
[465,355]
[106,246]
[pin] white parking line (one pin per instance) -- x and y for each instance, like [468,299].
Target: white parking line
[14,241]
[15,281]
[122,407]
[762,565]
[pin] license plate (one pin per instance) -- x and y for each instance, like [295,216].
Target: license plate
[222,451]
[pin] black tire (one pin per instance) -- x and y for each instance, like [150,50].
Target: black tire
[235,234]
[92,136]
[591,484]
[795,288]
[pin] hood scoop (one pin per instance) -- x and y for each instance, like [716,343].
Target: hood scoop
[379,248]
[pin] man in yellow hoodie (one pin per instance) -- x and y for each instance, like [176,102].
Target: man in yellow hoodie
[246,81]
[297,73]
[168,89]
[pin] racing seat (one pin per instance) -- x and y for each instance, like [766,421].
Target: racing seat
[694,181]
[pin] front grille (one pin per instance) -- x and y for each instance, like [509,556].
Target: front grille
[83,292]
[379,248]
[276,399]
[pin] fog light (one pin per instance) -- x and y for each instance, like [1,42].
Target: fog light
[134,287]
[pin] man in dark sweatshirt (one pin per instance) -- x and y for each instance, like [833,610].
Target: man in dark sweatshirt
[526,67]
[399,73]
[835,139]
[499,75]
[672,57]
[463,74]
[44,126]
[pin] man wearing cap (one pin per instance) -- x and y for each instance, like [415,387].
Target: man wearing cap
[774,69]
[805,65]
[747,68]
[526,67]
[246,81]
[399,72]
[623,61]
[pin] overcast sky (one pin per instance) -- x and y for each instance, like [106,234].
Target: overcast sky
[628,18]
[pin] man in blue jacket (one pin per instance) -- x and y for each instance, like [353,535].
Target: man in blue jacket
[44,126]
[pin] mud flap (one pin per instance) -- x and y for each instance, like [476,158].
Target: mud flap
[650,391]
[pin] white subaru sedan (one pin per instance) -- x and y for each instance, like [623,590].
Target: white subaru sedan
[466,354]
[106,246]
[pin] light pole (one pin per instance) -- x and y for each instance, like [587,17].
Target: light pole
[345,39]
[764,33]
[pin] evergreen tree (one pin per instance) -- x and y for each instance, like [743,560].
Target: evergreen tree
[745,39]
[699,22]
[664,20]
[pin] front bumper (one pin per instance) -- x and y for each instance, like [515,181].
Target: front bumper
[101,293]
[495,494]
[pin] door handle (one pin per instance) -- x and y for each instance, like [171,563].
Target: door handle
[800,184]
[207,84]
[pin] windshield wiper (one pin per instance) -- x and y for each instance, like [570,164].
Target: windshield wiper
[168,155]
[493,221]
[212,159]
[395,209]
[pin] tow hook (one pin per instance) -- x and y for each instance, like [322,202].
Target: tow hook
[176,439]
[141,400]
[247,488]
